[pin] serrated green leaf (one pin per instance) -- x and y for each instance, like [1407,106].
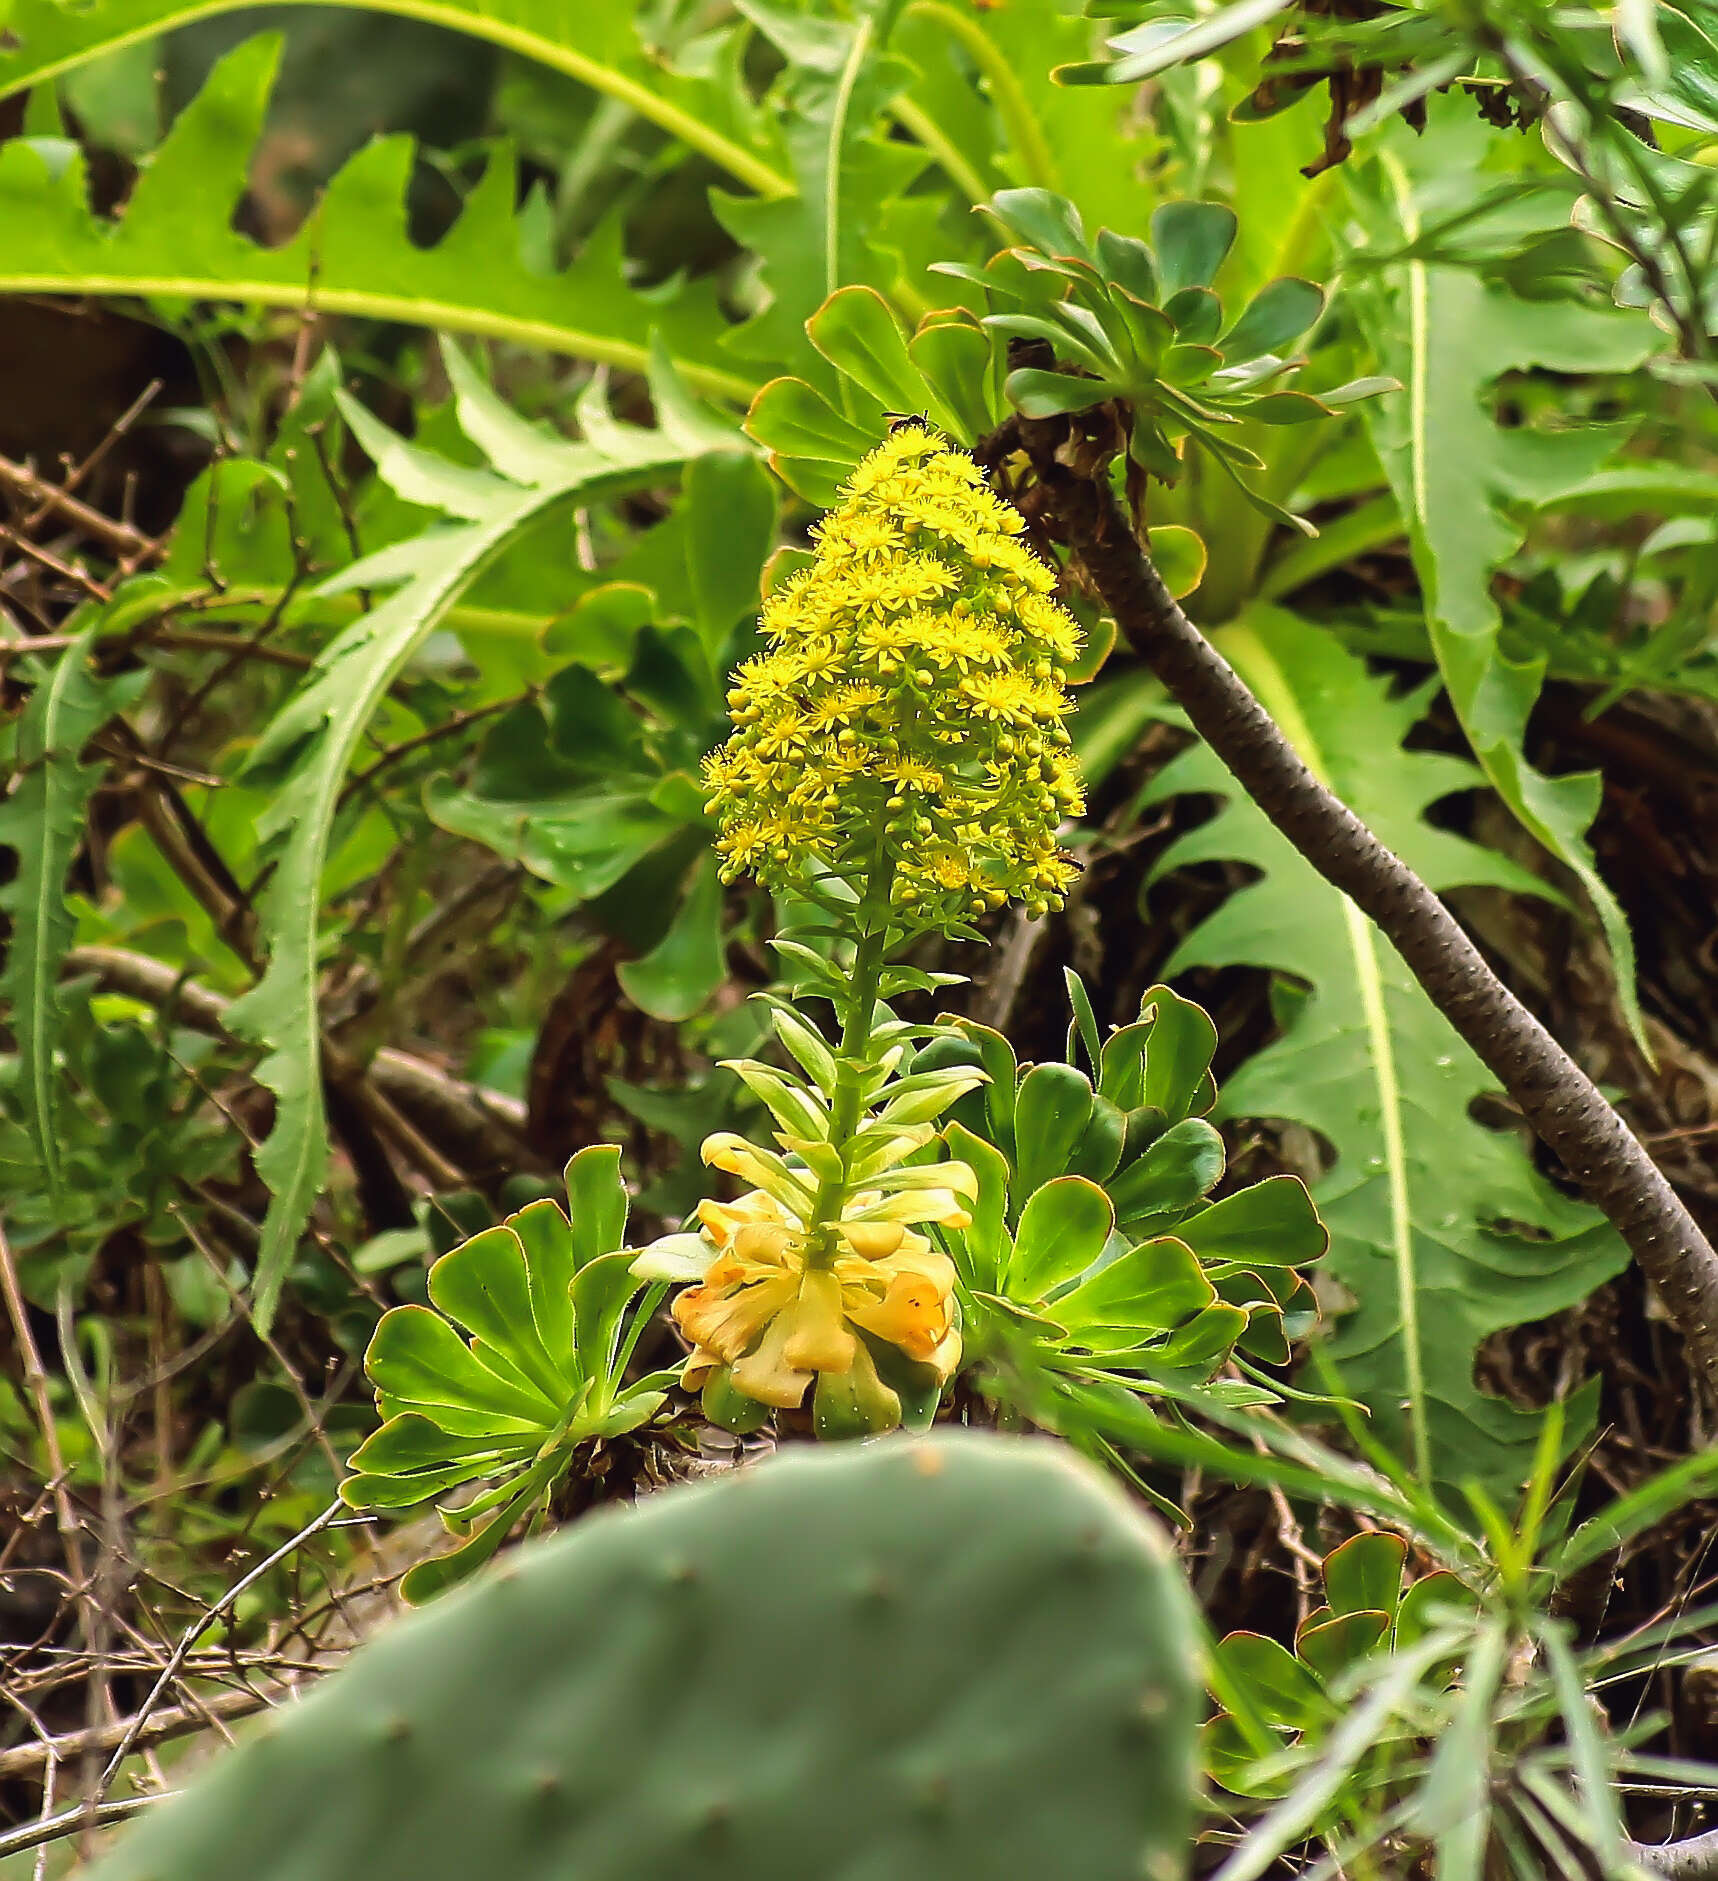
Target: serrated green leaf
[309,747]
[354,256]
[1448,335]
[598,45]
[847,173]
[1017,125]
[42,822]
[1418,1193]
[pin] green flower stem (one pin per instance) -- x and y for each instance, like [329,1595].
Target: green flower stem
[852,1055]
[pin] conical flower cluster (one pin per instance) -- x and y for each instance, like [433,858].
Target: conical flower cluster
[909,707]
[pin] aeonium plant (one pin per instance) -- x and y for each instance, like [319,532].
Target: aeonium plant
[900,759]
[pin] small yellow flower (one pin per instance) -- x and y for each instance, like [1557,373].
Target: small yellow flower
[910,773]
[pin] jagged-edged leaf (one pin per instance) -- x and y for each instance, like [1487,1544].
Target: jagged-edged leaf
[1448,335]
[307,749]
[1442,1231]
[42,821]
[176,238]
[599,45]
[850,182]
[1017,126]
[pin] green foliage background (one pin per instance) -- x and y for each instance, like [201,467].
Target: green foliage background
[359,869]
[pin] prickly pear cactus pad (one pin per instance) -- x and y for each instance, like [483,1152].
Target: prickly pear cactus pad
[955,1658]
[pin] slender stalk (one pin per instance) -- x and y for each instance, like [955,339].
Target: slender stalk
[851,1055]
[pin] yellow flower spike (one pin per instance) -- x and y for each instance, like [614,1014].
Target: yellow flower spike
[735,1156]
[900,756]
[914,1205]
[911,686]
[778,1324]
[913,1312]
[818,1340]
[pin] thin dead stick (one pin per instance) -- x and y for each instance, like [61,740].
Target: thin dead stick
[170,1671]
[120,426]
[73,1821]
[67,571]
[28,1760]
[1558,1099]
[125,541]
[36,1384]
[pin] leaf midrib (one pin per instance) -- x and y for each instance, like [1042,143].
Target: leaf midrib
[1248,652]
[410,309]
[740,163]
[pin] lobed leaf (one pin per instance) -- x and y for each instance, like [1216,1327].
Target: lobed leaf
[309,747]
[177,237]
[1448,335]
[42,822]
[1419,1194]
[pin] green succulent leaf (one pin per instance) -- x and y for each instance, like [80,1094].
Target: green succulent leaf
[1184,1163]
[1335,1644]
[1191,241]
[1153,1287]
[1429,1603]
[544,1300]
[1273,1223]
[1052,1107]
[1364,1575]
[1284,1691]
[1063,1228]
[1281,311]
